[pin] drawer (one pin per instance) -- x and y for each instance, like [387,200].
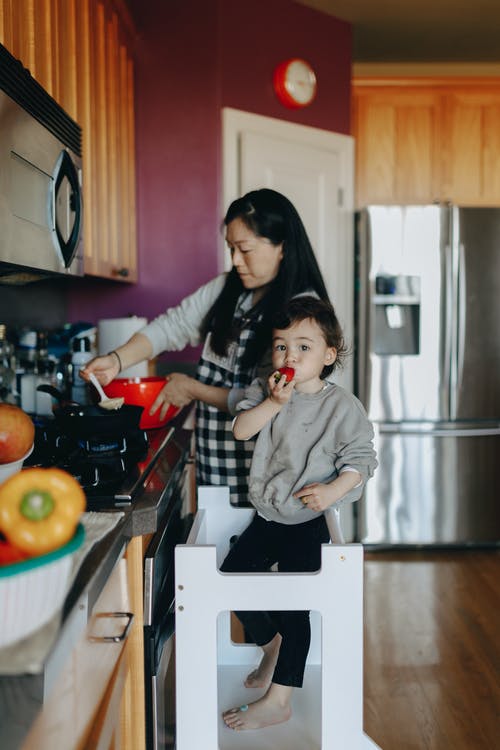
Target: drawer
[72,706]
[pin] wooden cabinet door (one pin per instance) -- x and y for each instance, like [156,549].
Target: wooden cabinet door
[397,134]
[471,173]
[106,100]
[105,734]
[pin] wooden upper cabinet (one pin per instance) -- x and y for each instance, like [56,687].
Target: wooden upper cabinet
[425,142]
[80,52]
[397,145]
[471,173]
[106,100]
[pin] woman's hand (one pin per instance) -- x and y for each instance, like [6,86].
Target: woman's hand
[178,391]
[108,366]
[105,368]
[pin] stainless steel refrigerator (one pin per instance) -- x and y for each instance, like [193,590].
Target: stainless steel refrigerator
[428,371]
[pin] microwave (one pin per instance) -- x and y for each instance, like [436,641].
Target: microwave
[41,206]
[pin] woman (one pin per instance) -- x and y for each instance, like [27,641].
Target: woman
[272,262]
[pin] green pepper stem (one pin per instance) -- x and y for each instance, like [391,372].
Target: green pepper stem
[36,505]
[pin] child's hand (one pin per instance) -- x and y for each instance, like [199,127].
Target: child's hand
[280,391]
[316,496]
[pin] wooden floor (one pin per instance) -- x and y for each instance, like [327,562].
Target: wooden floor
[432,634]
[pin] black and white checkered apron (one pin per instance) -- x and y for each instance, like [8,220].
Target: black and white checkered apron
[220,459]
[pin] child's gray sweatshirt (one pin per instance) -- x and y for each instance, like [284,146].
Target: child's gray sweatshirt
[311,439]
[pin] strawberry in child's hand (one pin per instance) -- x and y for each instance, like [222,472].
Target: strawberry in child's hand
[288,372]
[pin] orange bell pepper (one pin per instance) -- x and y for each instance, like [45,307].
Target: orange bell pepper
[40,509]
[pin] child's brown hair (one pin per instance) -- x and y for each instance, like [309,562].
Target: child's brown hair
[304,307]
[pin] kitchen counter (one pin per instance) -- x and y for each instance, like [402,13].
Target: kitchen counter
[22,695]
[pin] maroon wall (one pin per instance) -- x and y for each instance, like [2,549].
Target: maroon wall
[193,58]
[255,37]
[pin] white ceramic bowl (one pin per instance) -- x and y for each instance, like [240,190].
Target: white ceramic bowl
[7,470]
[33,590]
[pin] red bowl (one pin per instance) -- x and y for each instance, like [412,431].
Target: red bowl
[142,392]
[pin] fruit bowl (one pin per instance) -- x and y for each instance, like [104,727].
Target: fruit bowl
[7,470]
[32,590]
[142,392]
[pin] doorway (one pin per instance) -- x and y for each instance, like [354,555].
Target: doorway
[314,168]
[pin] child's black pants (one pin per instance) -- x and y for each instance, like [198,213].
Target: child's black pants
[296,548]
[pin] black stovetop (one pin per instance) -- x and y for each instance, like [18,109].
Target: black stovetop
[112,469]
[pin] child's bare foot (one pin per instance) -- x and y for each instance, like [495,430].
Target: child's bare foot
[272,708]
[261,676]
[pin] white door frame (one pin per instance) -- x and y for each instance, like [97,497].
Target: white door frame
[234,122]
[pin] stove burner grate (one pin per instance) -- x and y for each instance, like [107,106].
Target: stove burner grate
[98,446]
[102,464]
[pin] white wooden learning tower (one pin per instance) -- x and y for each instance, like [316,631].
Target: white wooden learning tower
[328,710]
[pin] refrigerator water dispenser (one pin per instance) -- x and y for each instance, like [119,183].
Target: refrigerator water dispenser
[396,322]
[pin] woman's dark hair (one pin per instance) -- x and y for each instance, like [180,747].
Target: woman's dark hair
[321,311]
[268,214]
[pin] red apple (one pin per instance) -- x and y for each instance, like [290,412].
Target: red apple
[288,372]
[17,432]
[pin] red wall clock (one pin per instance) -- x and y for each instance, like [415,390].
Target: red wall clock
[295,83]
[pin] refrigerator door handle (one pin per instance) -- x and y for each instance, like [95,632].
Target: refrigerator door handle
[461,303]
[454,321]
[448,323]
[446,429]
[364,309]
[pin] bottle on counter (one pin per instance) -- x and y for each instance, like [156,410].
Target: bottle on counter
[44,374]
[80,356]
[25,370]
[8,389]
[27,345]
[27,386]
[64,374]
[37,368]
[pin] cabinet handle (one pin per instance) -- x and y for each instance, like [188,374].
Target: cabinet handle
[124,272]
[114,638]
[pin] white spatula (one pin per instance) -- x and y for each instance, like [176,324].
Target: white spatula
[105,402]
